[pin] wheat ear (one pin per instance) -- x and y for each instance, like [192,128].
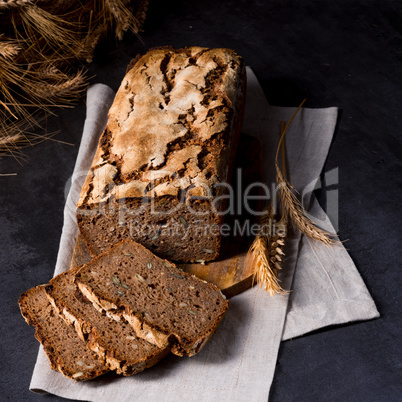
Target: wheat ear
[267,252]
[123,17]
[52,28]
[63,89]
[9,48]
[9,4]
[292,207]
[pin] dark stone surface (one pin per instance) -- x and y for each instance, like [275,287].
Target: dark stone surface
[341,53]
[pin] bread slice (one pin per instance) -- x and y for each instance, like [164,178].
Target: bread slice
[163,304]
[114,342]
[66,352]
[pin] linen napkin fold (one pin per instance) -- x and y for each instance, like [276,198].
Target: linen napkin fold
[238,363]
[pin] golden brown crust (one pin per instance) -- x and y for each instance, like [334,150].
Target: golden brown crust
[171,123]
[166,155]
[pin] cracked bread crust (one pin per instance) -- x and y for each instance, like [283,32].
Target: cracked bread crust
[171,136]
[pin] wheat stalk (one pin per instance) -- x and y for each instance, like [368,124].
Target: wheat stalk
[52,28]
[23,88]
[40,43]
[267,252]
[276,252]
[264,274]
[267,249]
[19,135]
[123,17]
[9,48]
[297,215]
[10,73]
[63,89]
[86,48]
[11,4]
[292,207]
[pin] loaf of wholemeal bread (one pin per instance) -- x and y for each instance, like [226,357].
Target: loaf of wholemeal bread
[165,306]
[160,171]
[114,342]
[66,352]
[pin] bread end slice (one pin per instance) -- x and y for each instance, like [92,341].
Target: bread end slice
[114,341]
[65,351]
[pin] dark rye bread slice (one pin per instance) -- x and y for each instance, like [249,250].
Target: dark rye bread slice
[66,352]
[114,342]
[163,304]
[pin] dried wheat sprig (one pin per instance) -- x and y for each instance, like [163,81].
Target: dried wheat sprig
[62,89]
[43,38]
[297,215]
[43,87]
[267,249]
[267,256]
[11,4]
[277,253]
[10,138]
[283,130]
[9,48]
[123,17]
[48,71]
[22,82]
[264,273]
[7,75]
[277,244]
[50,27]
[291,205]
[85,49]
[19,136]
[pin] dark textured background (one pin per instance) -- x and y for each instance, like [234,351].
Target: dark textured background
[334,53]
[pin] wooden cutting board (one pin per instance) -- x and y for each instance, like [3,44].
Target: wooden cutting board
[232,271]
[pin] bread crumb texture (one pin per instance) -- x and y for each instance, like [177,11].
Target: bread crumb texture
[66,352]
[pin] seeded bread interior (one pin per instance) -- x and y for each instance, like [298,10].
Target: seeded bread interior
[164,305]
[66,352]
[113,341]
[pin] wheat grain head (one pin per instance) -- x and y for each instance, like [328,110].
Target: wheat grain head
[297,215]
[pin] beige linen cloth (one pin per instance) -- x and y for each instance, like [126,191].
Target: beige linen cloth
[238,364]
